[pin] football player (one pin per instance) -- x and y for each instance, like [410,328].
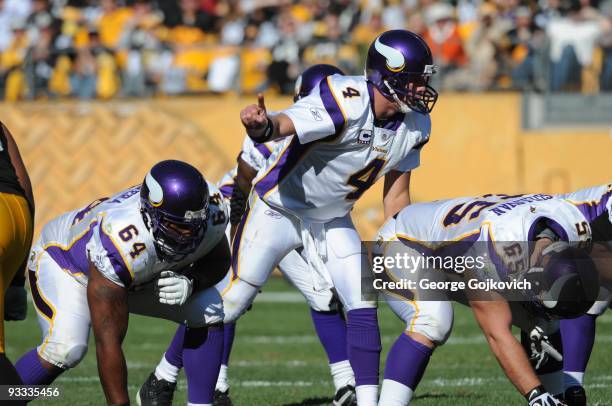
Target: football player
[16,215]
[504,231]
[153,249]
[327,318]
[349,132]
[578,335]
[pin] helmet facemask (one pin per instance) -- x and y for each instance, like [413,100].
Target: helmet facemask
[411,91]
[175,237]
[567,295]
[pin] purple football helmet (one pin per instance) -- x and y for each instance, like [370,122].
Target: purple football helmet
[568,284]
[311,77]
[174,204]
[399,65]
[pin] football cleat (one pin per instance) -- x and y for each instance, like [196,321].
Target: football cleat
[345,396]
[222,398]
[155,392]
[575,396]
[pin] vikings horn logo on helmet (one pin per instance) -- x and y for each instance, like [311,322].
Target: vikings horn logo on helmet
[395,59]
[156,193]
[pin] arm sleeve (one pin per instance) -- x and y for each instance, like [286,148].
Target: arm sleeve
[105,255]
[254,154]
[318,115]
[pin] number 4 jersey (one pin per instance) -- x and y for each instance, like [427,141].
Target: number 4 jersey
[338,152]
[111,233]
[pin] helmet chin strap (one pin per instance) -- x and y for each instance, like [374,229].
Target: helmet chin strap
[404,108]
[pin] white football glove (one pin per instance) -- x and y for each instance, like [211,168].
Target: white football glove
[173,288]
[538,397]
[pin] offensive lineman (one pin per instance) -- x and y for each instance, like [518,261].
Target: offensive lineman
[16,216]
[349,132]
[145,251]
[327,319]
[506,227]
[578,335]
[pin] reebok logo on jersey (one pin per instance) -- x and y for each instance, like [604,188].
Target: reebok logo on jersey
[365,137]
[316,115]
[273,214]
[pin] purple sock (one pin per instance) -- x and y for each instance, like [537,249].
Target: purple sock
[174,352]
[578,337]
[331,329]
[363,343]
[32,372]
[202,359]
[229,331]
[406,361]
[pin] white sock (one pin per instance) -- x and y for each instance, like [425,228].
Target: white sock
[572,378]
[199,404]
[553,382]
[394,393]
[166,370]
[367,395]
[222,384]
[342,374]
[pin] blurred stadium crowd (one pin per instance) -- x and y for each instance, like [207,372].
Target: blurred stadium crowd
[134,48]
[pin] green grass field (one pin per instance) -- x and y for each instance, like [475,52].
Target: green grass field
[277,360]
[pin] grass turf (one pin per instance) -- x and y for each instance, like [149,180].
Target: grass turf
[277,360]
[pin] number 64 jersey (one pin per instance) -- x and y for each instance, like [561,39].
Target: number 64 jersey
[111,233]
[339,150]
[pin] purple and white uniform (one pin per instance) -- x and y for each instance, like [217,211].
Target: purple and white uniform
[338,151]
[293,265]
[594,202]
[111,234]
[502,224]
[302,198]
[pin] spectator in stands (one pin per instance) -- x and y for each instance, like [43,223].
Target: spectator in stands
[138,41]
[285,65]
[526,52]
[572,43]
[606,47]
[443,38]
[111,23]
[12,59]
[41,56]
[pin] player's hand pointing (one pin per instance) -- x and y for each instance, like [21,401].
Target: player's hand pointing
[255,118]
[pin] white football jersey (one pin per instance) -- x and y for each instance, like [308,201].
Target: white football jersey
[111,233]
[503,223]
[255,155]
[593,201]
[338,152]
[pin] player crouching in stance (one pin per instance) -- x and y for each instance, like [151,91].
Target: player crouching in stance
[578,335]
[153,249]
[327,318]
[502,230]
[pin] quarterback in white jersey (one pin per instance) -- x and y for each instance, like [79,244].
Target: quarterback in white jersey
[348,133]
[578,335]
[144,250]
[503,231]
[327,318]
